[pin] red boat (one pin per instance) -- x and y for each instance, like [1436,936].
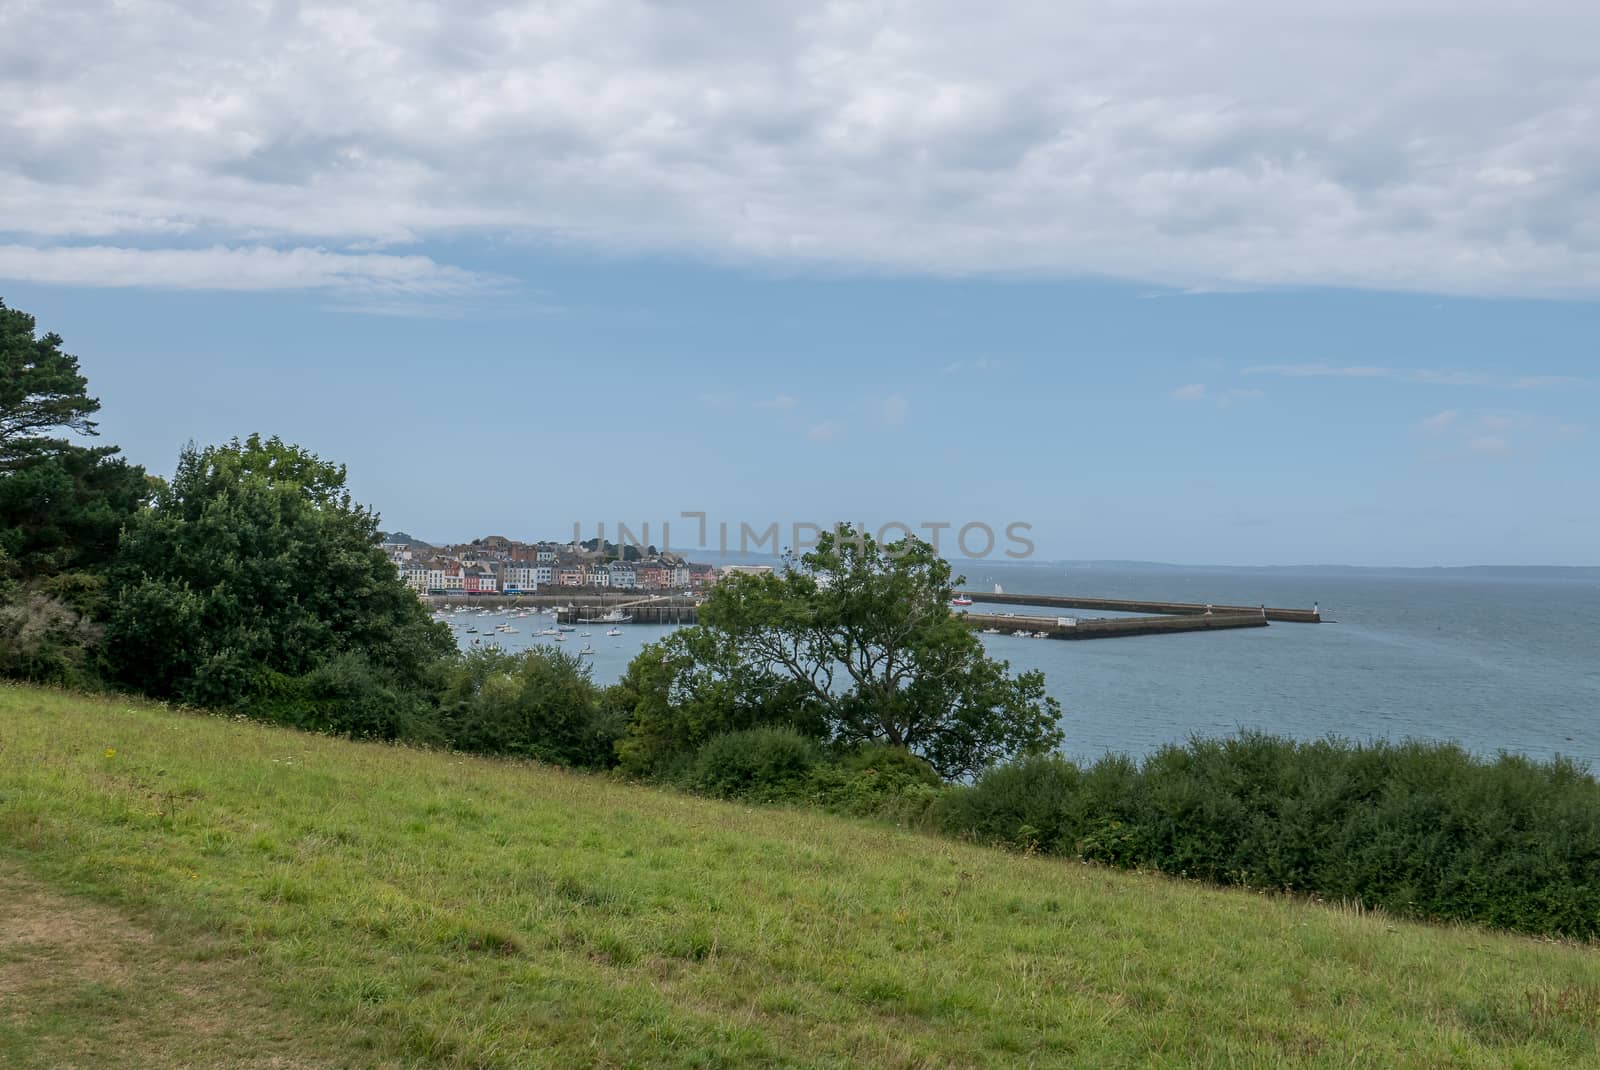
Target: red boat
[961,600]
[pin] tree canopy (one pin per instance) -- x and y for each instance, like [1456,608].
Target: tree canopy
[41,389]
[859,637]
[252,568]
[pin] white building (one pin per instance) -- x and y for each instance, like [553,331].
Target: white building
[519,578]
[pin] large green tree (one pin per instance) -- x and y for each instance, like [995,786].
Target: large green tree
[254,568]
[62,508]
[861,636]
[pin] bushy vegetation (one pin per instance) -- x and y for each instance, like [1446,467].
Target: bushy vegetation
[1416,828]
[255,568]
[762,764]
[540,704]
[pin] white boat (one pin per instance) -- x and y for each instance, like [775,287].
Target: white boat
[565,628]
[1019,633]
[587,649]
[584,635]
[613,631]
[991,631]
[1041,635]
[616,616]
[560,638]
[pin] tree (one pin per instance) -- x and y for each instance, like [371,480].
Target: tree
[41,389]
[863,635]
[62,508]
[252,569]
[694,685]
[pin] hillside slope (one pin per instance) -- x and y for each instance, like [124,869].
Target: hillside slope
[262,897]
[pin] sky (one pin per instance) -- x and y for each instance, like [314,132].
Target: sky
[1200,283]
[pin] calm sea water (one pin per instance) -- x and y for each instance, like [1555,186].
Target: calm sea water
[1492,664]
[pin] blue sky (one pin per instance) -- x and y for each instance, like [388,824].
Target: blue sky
[826,265]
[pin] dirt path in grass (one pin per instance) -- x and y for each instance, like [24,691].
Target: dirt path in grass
[82,985]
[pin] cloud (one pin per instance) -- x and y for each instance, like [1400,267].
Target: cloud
[924,138]
[982,364]
[1489,445]
[1439,422]
[241,268]
[780,401]
[826,431]
[1491,436]
[896,410]
[1433,376]
[1221,398]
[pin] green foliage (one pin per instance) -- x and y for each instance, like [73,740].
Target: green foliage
[877,781]
[694,685]
[858,637]
[348,695]
[761,764]
[1415,828]
[538,703]
[41,390]
[63,509]
[253,566]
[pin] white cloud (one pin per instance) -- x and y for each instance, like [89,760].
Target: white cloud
[1439,422]
[826,431]
[1204,147]
[1492,436]
[896,410]
[1221,398]
[1489,445]
[242,268]
[1431,376]
[982,364]
[781,401]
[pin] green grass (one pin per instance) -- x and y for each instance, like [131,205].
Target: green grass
[195,891]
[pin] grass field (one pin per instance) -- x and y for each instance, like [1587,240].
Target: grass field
[180,890]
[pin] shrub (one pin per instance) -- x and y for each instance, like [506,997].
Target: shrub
[349,696]
[1420,829]
[762,764]
[539,703]
[46,639]
[877,781]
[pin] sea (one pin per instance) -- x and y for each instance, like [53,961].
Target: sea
[1493,663]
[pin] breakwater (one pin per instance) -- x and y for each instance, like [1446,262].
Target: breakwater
[1125,605]
[1110,627]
